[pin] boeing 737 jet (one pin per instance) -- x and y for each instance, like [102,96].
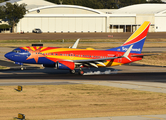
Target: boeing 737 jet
[73,58]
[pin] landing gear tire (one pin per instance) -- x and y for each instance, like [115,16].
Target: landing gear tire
[72,71]
[81,72]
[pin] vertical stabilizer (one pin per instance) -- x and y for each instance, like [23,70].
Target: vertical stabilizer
[137,39]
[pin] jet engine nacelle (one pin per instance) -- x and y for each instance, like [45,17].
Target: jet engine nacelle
[65,65]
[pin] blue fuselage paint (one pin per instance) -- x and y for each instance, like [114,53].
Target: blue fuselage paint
[22,55]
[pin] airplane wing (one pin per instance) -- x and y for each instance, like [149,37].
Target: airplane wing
[100,61]
[75,44]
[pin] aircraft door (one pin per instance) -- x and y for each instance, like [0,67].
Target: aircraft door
[119,59]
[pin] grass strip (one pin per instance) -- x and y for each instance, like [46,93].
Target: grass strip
[77,101]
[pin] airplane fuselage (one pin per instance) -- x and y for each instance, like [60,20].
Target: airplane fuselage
[51,55]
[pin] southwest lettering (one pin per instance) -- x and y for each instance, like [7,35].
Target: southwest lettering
[125,49]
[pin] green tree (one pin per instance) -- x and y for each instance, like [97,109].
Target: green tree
[3,1]
[12,13]
[104,4]
[155,1]
[4,27]
[96,4]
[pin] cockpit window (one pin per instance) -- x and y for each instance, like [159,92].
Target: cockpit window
[16,51]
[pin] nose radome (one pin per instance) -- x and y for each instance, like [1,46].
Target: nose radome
[7,55]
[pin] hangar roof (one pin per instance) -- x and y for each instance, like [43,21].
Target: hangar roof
[68,11]
[141,9]
[31,4]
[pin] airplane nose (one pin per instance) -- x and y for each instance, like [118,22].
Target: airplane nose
[8,55]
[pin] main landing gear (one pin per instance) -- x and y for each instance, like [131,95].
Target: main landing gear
[81,72]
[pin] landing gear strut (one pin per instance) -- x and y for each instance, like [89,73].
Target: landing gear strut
[81,72]
[22,67]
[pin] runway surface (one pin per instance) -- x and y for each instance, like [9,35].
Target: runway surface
[141,117]
[132,73]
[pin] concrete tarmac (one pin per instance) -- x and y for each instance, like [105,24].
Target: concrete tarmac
[144,78]
[141,117]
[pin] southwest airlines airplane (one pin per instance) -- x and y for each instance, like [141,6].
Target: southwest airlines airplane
[72,58]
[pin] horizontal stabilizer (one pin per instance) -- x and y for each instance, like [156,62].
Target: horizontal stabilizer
[143,55]
[126,54]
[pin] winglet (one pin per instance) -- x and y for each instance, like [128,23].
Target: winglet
[75,44]
[127,53]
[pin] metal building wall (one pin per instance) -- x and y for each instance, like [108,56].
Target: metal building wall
[122,23]
[122,20]
[145,17]
[71,18]
[160,23]
[62,24]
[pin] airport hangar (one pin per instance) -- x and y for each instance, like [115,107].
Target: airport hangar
[53,18]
